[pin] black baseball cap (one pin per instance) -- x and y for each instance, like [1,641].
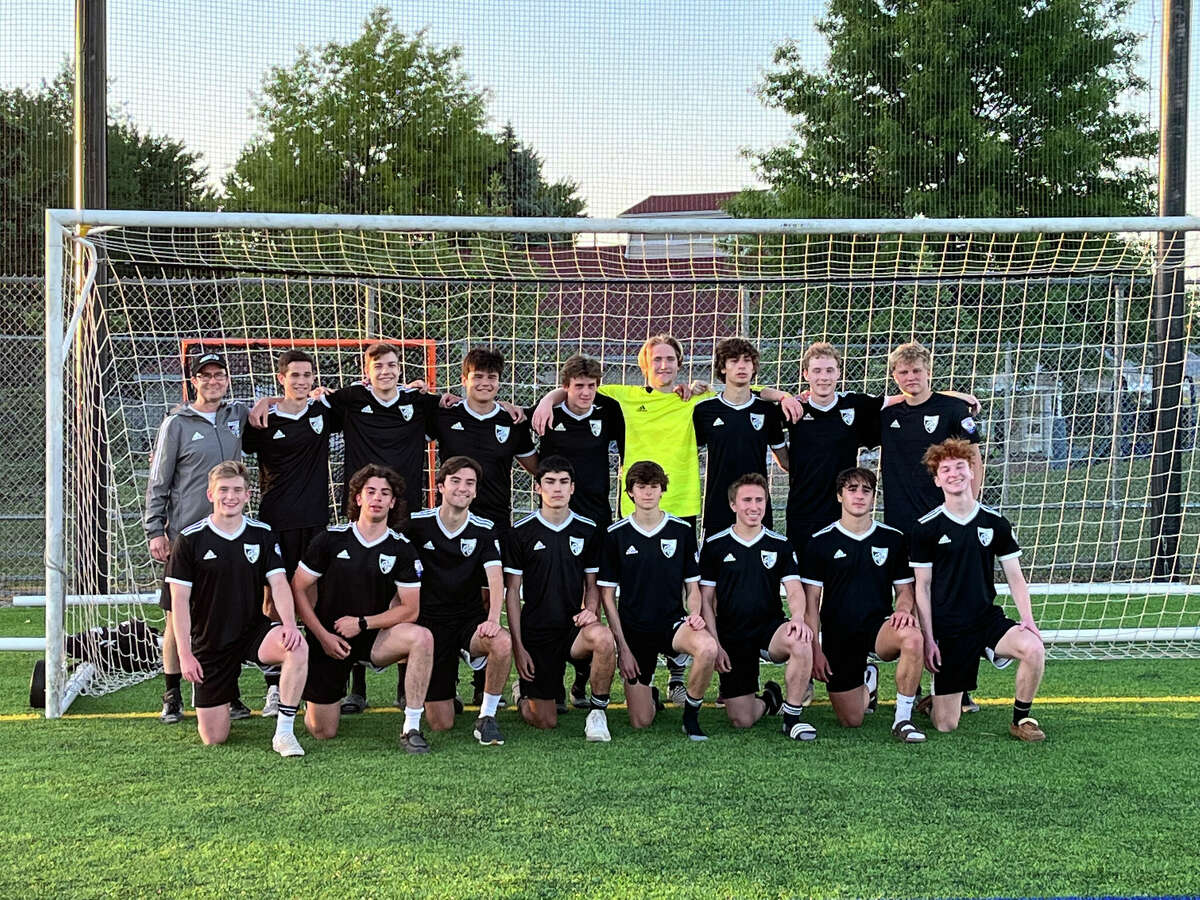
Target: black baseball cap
[201,360]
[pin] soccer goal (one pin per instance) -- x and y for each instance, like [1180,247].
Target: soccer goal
[1059,327]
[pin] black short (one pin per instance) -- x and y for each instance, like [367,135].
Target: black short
[846,653]
[449,638]
[745,654]
[292,544]
[164,597]
[549,653]
[646,645]
[327,676]
[221,670]
[962,650]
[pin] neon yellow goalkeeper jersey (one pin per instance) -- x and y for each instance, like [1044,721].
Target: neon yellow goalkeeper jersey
[658,427]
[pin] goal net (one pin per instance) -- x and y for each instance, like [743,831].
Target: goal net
[1051,325]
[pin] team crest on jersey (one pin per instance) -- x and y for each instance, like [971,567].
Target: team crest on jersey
[235,427]
[847,416]
[595,425]
[768,558]
[969,425]
[756,421]
[386,563]
[406,412]
[879,555]
[931,422]
[576,545]
[985,536]
[467,546]
[668,547]
[501,433]
[317,424]
[251,551]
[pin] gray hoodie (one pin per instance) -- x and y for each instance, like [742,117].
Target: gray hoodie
[188,446]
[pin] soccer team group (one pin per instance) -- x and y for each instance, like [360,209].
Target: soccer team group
[425,588]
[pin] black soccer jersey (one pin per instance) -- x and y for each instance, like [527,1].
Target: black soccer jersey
[452,564]
[493,440]
[293,465]
[358,577]
[585,440]
[962,554]
[905,433]
[738,438]
[747,576]
[552,561]
[822,444]
[650,568]
[857,574]
[390,434]
[227,573]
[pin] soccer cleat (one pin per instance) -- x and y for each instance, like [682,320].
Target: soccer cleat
[969,705]
[677,693]
[487,732]
[1027,730]
[807,699]
[475,663]
[1000,662]
[871,680]
[414,742]
[800,731]
[579,697]
[239,710]
[907,733]
[286,745]
[694,732]
[172,711]
[596,727]
[925,705]
[353,703]
[271,704]
[772,695]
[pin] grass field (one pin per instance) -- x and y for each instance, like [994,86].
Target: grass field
[107,802]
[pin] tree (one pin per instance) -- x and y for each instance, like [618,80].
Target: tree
[518,188]
[960,108]
[386,124]
[36,133]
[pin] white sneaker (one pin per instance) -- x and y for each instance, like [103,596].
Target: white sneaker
[286,745]
[596,727]
[1000,662]
[271,705]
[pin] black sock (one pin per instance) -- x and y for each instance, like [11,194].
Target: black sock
[791,715]
[358,680]
[401,674]
[581,676]
[272,678]
[173,680]
[691,715]
[1021,710]
[478,678]
[599,701]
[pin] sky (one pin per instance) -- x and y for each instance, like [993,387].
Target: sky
[627,97]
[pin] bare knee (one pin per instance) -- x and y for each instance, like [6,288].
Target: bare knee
[423,641]
[911,642]
[298,654]
[322,731]
[741,719]
[848,719]
[501,644]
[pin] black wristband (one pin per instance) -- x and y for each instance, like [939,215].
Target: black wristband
[362,623]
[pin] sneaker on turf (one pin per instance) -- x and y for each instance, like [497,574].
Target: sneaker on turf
[414,742]
[271,704]
[596,727]
[239,710]
[677,693]
[286,745]
[807,699]
[800,731]
[1000,662]
[487,732]
[1027,730]
[871,680]
[172,711]
[969,705]
[579,697]
[907,733]
[772,695]
[353,703]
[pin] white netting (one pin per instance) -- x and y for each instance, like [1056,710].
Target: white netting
[1053,332]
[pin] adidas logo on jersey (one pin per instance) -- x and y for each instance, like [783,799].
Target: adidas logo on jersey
[457,426]
[894,424]
[428,545]
[344,555]
[729,557]
[642,408]
[632,551]
[839,554]
[808,418]
[560,427]
[718,421]
[277,435]
[210,555]
[539,546]
[366,409]
[197,436]
[943,540]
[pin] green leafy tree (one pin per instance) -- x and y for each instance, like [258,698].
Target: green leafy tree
[519,189]
[385,124]
[960,108]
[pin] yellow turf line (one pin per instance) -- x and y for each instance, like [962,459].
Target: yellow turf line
[391,710]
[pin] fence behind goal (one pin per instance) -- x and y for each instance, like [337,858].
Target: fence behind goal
[1050,325]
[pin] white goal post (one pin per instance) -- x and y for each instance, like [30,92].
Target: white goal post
[1052,323]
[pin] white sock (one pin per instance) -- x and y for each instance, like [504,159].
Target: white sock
[491,702]
[412,718]
[904,705]
[286,719]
